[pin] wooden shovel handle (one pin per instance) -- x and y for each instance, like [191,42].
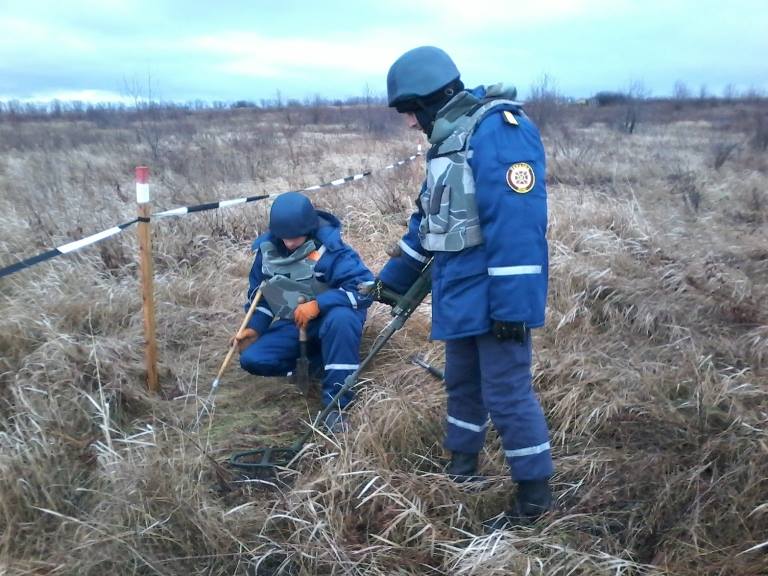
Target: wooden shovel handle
[243,326]
[302,331]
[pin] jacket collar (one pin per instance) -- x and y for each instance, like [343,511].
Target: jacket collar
[462,104]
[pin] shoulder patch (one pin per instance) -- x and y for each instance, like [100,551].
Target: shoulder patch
[520,177]
[509,118]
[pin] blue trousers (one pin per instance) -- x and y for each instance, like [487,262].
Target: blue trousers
[484,375]
[333,341]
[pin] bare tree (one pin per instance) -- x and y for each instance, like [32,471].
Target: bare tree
[681,91]
[147,113]
[636,93]
[544,103]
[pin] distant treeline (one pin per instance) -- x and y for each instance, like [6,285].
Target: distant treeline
[75,109]
[608,98]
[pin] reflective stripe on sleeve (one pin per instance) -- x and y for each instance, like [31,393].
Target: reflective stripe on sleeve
[513,270]
[351,297]
[411,252]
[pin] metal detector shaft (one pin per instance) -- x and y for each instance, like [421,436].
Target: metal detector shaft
[266,456]
[402,310]
[402,307]
[349,381]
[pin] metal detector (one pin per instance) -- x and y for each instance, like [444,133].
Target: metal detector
[261,461]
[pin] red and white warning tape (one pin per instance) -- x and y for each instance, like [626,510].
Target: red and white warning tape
[142,196]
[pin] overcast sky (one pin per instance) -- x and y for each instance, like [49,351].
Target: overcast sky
[250,49]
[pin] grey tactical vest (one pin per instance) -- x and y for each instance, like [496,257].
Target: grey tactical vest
[288,277]
[451,222]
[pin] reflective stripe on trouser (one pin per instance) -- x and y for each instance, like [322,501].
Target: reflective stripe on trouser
[483,376]
[338,332]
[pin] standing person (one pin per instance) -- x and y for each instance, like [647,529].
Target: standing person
[303,255]
[482,215]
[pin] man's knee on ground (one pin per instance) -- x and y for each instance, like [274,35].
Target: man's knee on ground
[255,362]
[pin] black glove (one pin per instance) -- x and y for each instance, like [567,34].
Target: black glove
[516,331]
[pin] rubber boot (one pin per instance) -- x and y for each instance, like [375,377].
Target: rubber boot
[533,499]
[462,467]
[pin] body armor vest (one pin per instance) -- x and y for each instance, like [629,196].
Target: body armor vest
[451,222]
[289,277]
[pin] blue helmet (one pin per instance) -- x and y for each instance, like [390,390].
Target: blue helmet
[292,215]
[419,73]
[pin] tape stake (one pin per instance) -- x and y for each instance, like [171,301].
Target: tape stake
[147,277]
[142,184]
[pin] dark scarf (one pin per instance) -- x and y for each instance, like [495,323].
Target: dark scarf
[425,109]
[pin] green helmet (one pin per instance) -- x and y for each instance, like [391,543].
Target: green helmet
[418,73]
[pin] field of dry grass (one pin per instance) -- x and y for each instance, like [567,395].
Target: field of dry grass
[652,368]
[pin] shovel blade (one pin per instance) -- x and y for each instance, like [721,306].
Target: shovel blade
[301,376]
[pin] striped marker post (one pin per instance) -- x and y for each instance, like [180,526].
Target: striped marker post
[147,280]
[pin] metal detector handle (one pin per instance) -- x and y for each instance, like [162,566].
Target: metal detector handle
[350,381]
[408,302]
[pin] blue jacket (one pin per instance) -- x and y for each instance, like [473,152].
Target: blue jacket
[506,277]
[340,268]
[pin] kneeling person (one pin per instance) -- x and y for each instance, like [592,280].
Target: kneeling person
[304,256]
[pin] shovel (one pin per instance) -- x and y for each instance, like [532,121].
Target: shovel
[266,461]
[301,374]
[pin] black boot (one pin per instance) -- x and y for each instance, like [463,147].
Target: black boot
[533,499]
[462,467]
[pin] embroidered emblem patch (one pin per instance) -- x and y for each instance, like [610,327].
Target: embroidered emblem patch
[520,177]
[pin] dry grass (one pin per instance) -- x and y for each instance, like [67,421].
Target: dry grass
[652,368]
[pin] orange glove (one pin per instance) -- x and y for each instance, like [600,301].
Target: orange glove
[244,338]
[306,312]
